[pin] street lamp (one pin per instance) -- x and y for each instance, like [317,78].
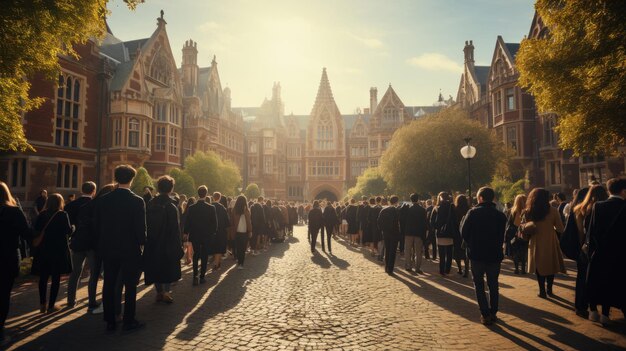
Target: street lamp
[468,152]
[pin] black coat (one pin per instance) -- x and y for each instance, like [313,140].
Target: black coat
[14,226]
[362,211]
[374,234]
[330,217]
[201,222]
[53,254]
[403,211]
[415,221]
[257,216]
[483,231]
[218,246]
[351,217]
[163,250]
[120,219]
[443,221]
[293,215]
[606,279]
[73,209]
[316,219]
[389,223]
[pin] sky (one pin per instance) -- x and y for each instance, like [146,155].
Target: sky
[414,45]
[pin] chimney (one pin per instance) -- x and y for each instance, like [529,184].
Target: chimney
[373,99]
[190,67]
[468,51]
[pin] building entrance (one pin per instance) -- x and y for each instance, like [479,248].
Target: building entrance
[326,195]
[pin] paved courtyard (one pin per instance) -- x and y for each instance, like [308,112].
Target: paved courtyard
[288,299]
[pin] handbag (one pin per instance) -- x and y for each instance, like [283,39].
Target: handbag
[526,229]
[38,240]
[570,242]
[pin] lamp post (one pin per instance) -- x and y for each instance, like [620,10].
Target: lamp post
[468,152]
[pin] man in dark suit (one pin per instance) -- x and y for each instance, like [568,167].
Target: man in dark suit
[330,220]
[201,227]
[362,211]
[120,217]
[259,225]
[389,224]
[415,234]
[80,254]
[606,278]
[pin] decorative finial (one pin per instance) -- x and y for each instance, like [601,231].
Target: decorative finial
[162,13]
[214,61]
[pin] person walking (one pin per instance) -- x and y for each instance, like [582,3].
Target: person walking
[52,255]
[242,225]
[544,253]
[315,222]
[218,247]
[14,228]
[483,232]
[259,225]
[362,211]
[200,227]
[519,247]
[389,224]
[163,250]
[330,221]
[353,221]
[461,206]
[444,223]
[415,235]
[606,280]
[120,218]
[79,251]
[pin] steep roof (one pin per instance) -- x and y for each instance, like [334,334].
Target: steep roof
[513,48]
[482,73]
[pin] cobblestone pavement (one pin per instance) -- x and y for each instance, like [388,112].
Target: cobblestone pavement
[289,299]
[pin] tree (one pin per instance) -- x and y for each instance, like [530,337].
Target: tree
[370,183]
[32,36]
[142,180]
[184,182]
[506,190]
[252,191]
[424,156]
[578,71]
[206,168]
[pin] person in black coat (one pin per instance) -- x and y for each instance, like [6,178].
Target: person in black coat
[316,222]
[14,228]
[362,211]
[200,227]
[415,226]
[606,278]
[269,220]
[483,231]
[163,249]
[389,224]
[218,247]
[374,235]
[431,239]
[147,194]
[79,254]
[443,221]
[353,221]
[403,213]
[259,224]
[330,220]
[52,256]
[120,218]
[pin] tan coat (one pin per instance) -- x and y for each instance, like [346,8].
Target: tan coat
[544,252]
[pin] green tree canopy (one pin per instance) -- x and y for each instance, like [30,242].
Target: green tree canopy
[142,180]
[424,156]
[578,71]
[370,183]
[506,190]
[252,191]
[32,35]
[206,168]
[184,182]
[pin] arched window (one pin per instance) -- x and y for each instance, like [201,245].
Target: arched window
[133,133]
[324,137]
[68,111]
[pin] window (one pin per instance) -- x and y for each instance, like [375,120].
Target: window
[268,143]
[510,99]
[186,148]
[147,127]
[160,69]
[324,138]
[554,172]
[391,116]
[373,144]
[497,106]
[133,133]
[252,167]
[174,118]
[293,151]
[173,141]
[117,132]
[18,173]
[269,167]
[359,131]
[160,111]
[293,169]
[511,139]
[357,151]
[294,191]
[67,175]
[160,138]
[68,114]
[374,163]
[324,168]
[357,168]
[549,137]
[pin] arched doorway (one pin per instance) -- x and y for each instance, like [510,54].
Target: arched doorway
[326,195]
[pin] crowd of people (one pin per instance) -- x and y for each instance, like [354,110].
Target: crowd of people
[119,236]
[533,232]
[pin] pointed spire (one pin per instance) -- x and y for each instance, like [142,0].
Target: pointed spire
[213,62]
[324,92]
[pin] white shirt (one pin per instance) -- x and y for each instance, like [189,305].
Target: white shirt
[241,226]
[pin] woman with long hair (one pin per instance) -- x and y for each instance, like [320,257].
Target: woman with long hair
[582,213]
[52,255]
[14,228]
[544,254]
[242,224]
[519,247]
[461,205]
[444,222]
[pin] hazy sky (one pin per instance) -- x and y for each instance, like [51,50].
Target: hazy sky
[416,45]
